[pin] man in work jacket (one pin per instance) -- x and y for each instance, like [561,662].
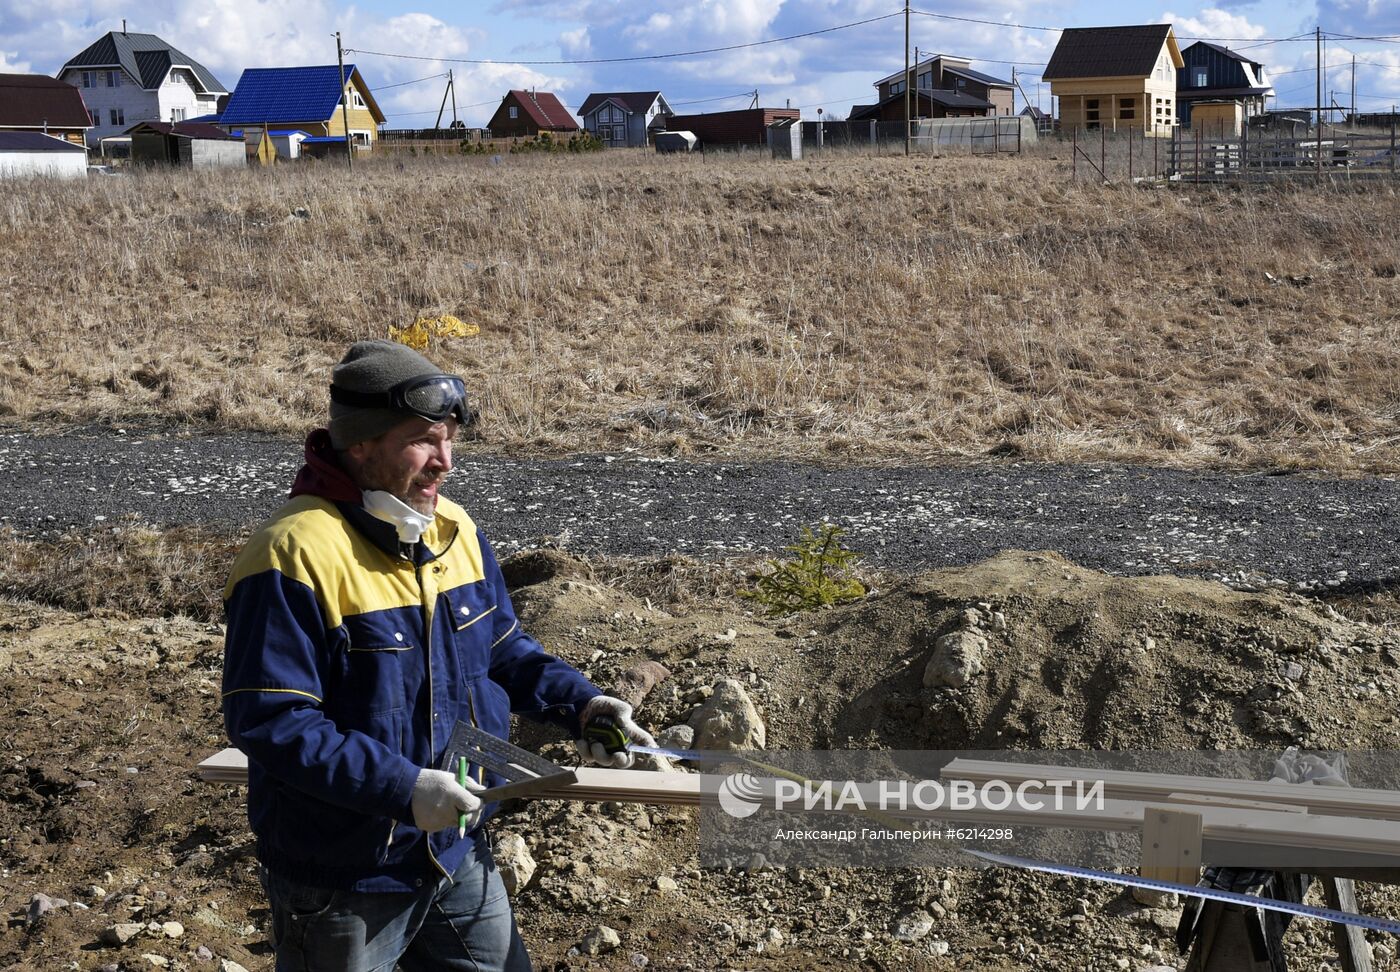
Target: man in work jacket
[365,618]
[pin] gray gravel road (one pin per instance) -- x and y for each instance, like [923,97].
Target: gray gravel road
[1248,529]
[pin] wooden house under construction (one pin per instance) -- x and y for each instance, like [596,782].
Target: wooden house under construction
[1116,78]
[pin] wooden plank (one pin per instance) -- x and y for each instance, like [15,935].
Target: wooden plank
[1171,844]
[1149,787]
[1220,801]
[1351,943]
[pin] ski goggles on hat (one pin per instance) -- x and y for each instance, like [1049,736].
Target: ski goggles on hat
[431,397]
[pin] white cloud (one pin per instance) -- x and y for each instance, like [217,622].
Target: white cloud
[832,69]
[9,63]
[1213,22]
[575,43]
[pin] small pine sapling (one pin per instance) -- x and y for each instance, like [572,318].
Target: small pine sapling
[817,575]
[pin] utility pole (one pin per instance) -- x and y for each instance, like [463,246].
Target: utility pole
[452,86]
[441,107]
[908,121]
[1353,88]
[1318,144]
[344,105]
[1013,89]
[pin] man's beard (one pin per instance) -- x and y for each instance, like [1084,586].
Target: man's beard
[374,475]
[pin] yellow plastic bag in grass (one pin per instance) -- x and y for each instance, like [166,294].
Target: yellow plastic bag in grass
[424,329]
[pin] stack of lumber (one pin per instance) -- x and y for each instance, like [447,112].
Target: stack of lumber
[1245,817]
[1339,801]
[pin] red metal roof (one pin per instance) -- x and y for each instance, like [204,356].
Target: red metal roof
[33,100]
[545,110]
[187,129]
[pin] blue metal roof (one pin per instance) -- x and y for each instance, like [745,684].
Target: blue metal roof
[323,139]
[284,132]
[270,95]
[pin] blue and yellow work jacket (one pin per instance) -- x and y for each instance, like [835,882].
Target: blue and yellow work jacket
[347,663]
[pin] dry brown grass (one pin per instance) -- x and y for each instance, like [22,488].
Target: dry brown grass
[860,308]
[129,570]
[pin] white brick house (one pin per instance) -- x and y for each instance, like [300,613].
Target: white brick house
[128,78]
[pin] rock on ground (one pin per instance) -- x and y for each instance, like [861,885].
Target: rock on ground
[514,861]
[600,940]
[957,659]
[729,720]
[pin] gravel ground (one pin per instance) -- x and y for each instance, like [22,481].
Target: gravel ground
[1247,529]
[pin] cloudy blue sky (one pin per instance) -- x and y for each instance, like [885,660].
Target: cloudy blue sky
[831,71]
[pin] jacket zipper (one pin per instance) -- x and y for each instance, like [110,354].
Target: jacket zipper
[432,703]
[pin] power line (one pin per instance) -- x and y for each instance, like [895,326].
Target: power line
[1003,23]
[638,57]
[400,84]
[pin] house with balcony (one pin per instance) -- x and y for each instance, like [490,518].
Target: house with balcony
[1116,78]
[127,78]
[943,86]
[1216,74]
[625,118]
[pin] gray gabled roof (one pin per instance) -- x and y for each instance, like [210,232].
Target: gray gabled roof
[1107,52]
[35,142]
[630,100]
[145,57]
[986,79]
[1236,55]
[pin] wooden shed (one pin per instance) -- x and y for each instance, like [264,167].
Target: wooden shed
[194,144]
[1218,119]
[720,129]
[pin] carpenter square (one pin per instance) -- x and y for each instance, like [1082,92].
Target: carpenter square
[526,773]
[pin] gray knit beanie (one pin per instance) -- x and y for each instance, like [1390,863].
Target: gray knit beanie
[372,367]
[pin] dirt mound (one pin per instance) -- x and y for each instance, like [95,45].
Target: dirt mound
[104,717]
[1076,659]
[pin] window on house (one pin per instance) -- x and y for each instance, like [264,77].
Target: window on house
[114,79]
[1126,111]
[1202,77]
[926,79]
[513,111]
[177,114]
[962,82]
[89,79]
[897,87]
[117,115]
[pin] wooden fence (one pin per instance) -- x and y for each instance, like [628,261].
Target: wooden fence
[1261,156]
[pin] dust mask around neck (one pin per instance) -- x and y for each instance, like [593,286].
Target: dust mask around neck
[385,506]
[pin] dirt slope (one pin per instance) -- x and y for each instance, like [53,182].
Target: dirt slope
[104,717]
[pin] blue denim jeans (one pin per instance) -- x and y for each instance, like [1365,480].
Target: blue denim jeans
[462,924]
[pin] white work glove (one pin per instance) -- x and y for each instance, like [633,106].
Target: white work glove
[438,798]
[621,715]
